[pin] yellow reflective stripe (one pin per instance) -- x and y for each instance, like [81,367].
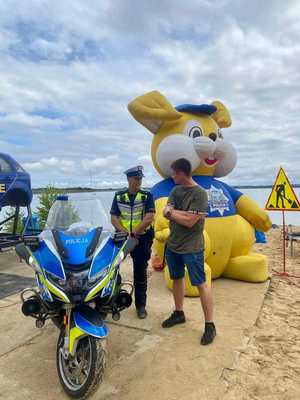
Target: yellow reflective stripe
[135,224]
[101,284]
[53,289]
[75,333]
[126,224]
[124,206]
[138,197]
[137,212]
[125,210]
[42,279]
[126,217]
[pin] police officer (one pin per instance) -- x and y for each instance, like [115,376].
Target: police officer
[133,211]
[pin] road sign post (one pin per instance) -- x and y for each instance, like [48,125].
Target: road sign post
[283,198]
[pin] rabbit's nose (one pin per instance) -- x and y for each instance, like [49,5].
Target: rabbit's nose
[212,136]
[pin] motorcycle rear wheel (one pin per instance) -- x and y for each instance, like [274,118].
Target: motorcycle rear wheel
[80,375]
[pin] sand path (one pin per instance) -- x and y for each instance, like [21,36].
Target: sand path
[269,367]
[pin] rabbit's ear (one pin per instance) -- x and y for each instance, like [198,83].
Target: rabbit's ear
[152,110]
[222,115]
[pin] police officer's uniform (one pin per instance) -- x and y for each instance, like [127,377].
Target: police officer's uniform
[131,209]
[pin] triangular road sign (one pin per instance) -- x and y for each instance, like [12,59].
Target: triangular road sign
[282,196]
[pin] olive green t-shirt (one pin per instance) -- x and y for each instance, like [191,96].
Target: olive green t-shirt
[183,239]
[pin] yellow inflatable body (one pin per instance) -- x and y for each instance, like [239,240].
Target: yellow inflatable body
[194,132]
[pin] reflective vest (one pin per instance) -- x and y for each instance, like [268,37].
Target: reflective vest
[131,216]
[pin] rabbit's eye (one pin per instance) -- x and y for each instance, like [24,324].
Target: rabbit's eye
[195,132]
[220,135]
[193,129]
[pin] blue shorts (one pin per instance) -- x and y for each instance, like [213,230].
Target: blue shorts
[193,261]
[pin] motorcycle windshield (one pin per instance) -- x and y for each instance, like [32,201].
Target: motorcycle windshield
[74,229]
[77,217]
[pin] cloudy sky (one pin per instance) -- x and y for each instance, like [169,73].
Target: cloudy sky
[69,68]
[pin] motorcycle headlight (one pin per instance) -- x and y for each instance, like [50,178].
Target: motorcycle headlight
[77,281]
[57,281]
[99,276]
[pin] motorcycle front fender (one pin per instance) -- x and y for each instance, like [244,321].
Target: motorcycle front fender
[89,321]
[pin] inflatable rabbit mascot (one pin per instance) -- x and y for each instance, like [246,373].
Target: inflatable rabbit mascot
[194,132]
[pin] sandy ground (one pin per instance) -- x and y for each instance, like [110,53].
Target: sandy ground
[269,366]
[256,354]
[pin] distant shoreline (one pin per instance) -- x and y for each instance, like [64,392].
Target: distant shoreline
[87,190]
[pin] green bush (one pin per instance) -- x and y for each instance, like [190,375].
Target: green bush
[9,225]
[46,199]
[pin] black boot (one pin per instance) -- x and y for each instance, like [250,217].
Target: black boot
[209,333]
[141,312]
[177,317]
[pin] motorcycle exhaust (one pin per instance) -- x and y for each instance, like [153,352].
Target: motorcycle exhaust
[123,300]
[31,306]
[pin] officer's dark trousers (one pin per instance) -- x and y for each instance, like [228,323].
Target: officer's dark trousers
[140,256]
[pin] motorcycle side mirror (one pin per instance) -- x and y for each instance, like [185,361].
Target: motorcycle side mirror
[23,253]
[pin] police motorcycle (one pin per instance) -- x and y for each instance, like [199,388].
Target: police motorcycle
[76,260]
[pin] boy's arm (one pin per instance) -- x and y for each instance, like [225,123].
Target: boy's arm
[195,213]
[185,218]
[170,204]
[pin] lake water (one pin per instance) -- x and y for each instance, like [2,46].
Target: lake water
[259,195]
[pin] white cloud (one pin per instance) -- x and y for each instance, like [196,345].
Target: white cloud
[29,121]
[34,166]
[53,163]
[145,159]
[97,163]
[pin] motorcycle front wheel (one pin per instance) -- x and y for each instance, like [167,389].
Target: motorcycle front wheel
[80,375]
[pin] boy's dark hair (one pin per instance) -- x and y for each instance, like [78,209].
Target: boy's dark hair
[182,165]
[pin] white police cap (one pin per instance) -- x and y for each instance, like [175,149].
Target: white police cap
[135,171]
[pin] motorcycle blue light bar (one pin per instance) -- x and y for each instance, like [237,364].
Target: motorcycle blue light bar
[62,197]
